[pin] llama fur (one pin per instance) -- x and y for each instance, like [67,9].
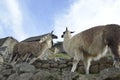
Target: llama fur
[35,48]
[92,44]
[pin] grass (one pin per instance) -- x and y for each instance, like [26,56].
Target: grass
[60,55]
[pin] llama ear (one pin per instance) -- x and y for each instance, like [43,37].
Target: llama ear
[52,32]
[66,29]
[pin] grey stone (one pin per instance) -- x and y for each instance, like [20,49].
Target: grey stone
[62,65]
[24,67]
[46,66]
[50,71]
[106,74]
[67,75]
[13,77]
[55,65]
[25,76]
[94,69]
[110,73]
[46,75]
[1,76]
[6,72]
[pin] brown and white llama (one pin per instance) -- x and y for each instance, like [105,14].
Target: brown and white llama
[36,48]
[92,44]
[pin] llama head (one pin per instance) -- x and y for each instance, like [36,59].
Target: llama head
[49,37]
[66,33]
[53,36]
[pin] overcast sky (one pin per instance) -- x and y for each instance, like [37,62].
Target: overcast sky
[26,18]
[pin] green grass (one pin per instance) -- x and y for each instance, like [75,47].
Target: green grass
[60,55]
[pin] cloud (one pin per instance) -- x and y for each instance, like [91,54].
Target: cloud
[1,31]
[84,14]
[11,18]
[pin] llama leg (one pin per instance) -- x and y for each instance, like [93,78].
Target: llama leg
[87,63]
[28,57]
[33,60]
[76,60]
[24,57]
[15,58]
[115,50]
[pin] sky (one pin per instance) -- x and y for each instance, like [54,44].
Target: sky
[26,18]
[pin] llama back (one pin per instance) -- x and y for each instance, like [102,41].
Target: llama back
[112,34]
[28,48]
[90,40]
[95,39]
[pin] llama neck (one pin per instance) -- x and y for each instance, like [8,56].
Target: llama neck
[66,43]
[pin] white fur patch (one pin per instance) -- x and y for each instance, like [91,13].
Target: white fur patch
[105,50]
[88,65]
[119,50]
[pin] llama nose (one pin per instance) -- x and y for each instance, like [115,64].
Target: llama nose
[54,36]
[61,36]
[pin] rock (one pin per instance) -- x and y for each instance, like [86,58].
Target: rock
[55,65]
[62,61]
[25,76]
[2,77]
[37,65]
[88,77]
[39,76]
[45,66]
[6,72]
[94,69]
[110,74]
[67,75]
[70,64]
[81,70]
[62,66]
[13,77]
[46,75]
[24,67]
[60,70]
[106,74]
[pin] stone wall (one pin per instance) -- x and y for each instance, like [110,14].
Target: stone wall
[65,65]
[60,70]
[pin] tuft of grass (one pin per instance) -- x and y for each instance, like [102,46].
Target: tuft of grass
[60,55]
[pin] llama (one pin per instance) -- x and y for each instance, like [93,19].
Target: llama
[3,51]
[36,48]
[7,44]
[93,44]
